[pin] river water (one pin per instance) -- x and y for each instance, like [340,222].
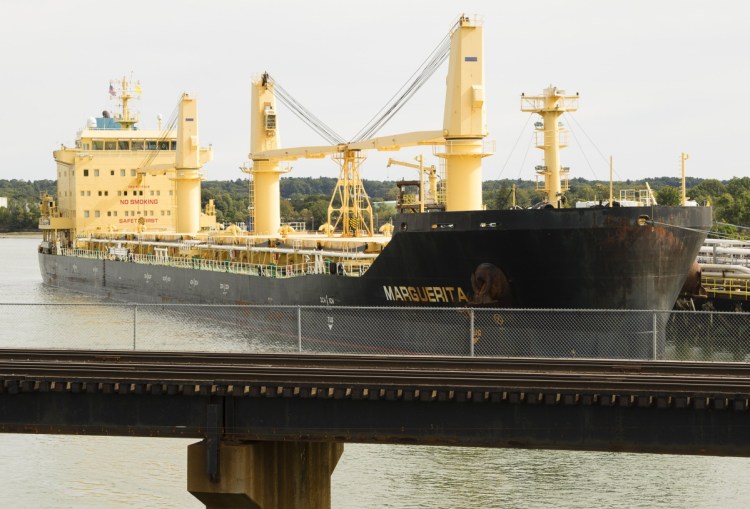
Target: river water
[48,471]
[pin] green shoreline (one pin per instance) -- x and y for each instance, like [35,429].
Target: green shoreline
[37,233]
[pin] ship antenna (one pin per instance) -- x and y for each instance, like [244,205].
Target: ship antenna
[684,157]
[124,94]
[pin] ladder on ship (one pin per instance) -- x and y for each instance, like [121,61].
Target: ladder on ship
[247,168]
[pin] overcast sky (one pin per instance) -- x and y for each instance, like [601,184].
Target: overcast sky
[655,77]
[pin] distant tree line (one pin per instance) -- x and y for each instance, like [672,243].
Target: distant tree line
[307,199]
[22,212]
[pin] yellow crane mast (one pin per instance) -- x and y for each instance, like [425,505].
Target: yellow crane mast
[551,137]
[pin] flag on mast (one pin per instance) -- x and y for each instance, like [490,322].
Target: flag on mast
[112,92]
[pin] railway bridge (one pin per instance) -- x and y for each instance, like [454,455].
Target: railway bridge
[272,426]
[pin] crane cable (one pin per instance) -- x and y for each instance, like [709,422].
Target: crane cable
[512,150]
[317,125]
[423,73]
[408,89]
[163,136]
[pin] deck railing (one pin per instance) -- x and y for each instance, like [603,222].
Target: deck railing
[352,269]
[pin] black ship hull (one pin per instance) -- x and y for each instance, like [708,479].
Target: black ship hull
[606,258]
[613,258]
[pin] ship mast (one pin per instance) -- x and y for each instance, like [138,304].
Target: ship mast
[551,137]
[125,94]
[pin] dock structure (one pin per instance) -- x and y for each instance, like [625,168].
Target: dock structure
[272,426]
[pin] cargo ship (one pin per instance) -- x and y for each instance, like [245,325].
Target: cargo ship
[127,222]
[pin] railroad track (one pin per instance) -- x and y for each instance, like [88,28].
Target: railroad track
[300,373]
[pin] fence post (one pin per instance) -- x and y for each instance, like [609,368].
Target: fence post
[135,323]
[471,333]
[299,327]
[655,336]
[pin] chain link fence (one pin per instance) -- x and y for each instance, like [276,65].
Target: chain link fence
[608,334]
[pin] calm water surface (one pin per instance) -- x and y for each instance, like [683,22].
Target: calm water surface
[46,471]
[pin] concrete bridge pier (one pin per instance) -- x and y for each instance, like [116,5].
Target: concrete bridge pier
[263,475]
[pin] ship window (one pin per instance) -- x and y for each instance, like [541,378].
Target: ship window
[111,172]
[152,213]
[140,193]
[132,173]
[170,192]
[98,144]
[119,193]
[123,145]
[96,213]
[106,193]
[158,193]
[169,212]
[152,192]
[85,173]
[85,146]
[85,213]
[88,193]
[109,213]
[96,173]
[136,145]
[100,193]
[139,212]
[173,145]
[114,213]
[110,145]
[162,212]
[83,193]
[163,145]
[125,193]
[122,173]
[150,144]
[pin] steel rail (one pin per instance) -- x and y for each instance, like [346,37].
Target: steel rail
[124,357]
[415,376]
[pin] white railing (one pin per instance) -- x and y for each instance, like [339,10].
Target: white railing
[352,269]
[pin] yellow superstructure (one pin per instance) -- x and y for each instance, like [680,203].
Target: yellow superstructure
[121,178]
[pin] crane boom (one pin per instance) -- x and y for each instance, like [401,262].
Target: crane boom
[392,142]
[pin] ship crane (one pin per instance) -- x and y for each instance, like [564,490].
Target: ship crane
[461,139]
[432,195]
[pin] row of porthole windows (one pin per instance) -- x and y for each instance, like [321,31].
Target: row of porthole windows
[130,145]
[122,193]
[95,173]
[127,213]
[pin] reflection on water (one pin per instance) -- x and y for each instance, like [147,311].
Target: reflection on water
[412,477]
[46,472]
